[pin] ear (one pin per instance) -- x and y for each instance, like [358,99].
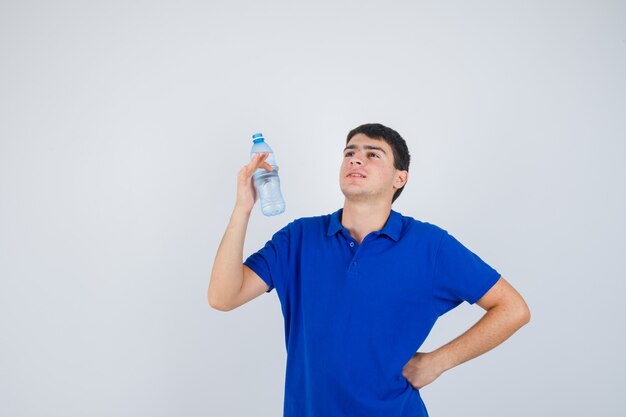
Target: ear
[401,178]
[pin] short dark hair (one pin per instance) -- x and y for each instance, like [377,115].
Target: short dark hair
[401,156]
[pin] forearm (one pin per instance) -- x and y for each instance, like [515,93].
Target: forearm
[496,325]
[227,273]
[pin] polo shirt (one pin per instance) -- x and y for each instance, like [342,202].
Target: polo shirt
[354,314]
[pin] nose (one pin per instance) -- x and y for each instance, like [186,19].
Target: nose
[354,161]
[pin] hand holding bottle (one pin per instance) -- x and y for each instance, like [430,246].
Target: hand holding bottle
[246,192]
[267,182]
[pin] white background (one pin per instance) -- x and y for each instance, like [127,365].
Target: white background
[123,125]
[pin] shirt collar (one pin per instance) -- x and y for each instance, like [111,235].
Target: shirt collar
[392,227]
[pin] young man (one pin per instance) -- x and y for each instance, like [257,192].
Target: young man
[361,288]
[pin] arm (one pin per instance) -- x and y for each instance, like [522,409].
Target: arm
[227,276]
[506,313]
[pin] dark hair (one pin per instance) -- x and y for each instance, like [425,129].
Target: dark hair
[401,156]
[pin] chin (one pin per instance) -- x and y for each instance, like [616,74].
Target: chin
[353,193]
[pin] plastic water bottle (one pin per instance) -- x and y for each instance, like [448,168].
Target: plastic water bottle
[267,182]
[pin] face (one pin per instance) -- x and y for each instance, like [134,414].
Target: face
[367,171]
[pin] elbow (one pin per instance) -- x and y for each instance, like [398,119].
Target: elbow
[516,312]
[527,316]
[523,314]
[217,306]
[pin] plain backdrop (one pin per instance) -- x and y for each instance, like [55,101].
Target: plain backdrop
[123,125]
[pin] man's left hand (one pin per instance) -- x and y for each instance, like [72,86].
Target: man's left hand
[422,369]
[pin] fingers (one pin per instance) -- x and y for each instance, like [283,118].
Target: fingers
[258,161]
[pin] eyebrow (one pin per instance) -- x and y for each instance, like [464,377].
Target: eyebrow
[376,148]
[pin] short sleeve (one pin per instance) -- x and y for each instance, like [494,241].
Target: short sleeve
[270,262]
[459,275]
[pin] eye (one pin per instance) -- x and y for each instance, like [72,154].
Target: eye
[348,154]
[372,153]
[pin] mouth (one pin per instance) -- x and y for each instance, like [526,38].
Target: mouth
[355,175]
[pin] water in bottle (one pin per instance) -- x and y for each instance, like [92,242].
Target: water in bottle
[267,182]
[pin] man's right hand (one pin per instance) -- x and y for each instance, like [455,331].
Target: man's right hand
[246,192]
[227,277]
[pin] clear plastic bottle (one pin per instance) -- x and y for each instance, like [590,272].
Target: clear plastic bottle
[267,183]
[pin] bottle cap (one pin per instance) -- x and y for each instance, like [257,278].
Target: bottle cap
[257,137]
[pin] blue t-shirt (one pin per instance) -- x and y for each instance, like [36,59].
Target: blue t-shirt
[355,314]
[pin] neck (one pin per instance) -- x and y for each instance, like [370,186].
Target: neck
[362,218]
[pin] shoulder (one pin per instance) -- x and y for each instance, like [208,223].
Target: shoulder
[312,219]
[301,224]
[412,226]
